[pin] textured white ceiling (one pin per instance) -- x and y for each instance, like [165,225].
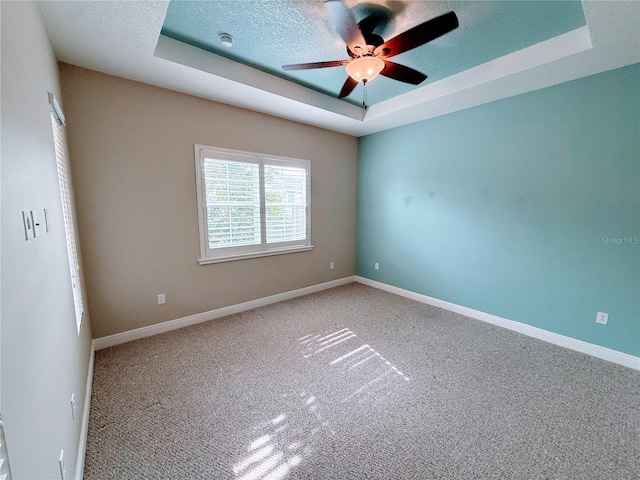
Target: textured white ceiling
[123,39]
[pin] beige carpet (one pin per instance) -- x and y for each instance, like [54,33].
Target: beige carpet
[356,383]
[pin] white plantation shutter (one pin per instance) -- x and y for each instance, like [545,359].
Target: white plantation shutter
[233,203]
[251,205]
[285,202]
[67,212]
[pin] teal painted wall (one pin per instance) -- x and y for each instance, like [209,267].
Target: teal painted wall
[527,208]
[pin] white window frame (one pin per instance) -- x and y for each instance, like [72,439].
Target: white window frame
[226,254]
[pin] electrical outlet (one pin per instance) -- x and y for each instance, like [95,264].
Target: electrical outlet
[63,468]
[73,406]
[376,266]
[331,265]
[161,299]
[602,318]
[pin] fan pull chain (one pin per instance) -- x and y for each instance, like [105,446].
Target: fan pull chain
[364,94]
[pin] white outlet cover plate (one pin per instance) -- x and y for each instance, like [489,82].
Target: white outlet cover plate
[602,318]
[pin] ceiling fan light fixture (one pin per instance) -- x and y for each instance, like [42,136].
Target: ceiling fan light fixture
[365,68]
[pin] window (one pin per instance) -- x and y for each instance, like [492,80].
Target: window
[251,205]
[57,121]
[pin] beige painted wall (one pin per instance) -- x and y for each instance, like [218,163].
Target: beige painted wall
[44,360]
[134,175]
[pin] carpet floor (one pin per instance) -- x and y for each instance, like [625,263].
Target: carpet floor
[357,383]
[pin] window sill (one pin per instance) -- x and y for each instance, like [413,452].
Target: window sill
[263,253]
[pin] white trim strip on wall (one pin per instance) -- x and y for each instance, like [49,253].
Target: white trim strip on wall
[163,327]
[571,343]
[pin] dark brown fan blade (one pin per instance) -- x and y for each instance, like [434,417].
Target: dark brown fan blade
[345,24]
[402,73]
[418,35]
[348,87]
[308,66]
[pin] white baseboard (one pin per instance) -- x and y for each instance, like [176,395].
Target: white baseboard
[84,428]
[555,338]
[118,338]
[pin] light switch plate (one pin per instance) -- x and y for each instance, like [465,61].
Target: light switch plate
[36,223]
[63,467]
[46,220]
[29,228]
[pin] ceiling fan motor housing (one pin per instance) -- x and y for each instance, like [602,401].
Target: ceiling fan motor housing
[373,39]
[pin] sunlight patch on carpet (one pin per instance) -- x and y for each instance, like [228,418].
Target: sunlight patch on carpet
[366,371]
[282,442]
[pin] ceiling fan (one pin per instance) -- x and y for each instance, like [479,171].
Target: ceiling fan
[369,52]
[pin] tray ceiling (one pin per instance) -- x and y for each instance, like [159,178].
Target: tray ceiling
[501,49]
[269,34]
